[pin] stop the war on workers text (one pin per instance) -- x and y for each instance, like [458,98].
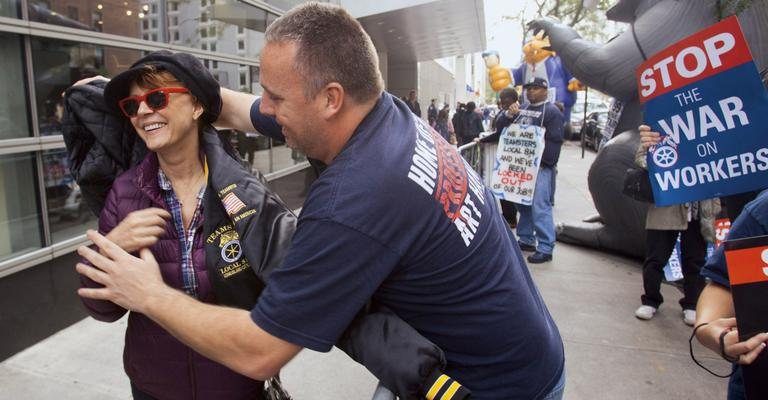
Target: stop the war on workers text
[704,96]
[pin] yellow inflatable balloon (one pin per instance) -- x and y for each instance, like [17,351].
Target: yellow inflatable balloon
[498,76]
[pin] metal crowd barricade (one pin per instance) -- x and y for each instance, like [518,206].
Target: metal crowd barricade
[480,156]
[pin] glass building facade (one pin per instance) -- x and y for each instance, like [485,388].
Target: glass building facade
[46,45]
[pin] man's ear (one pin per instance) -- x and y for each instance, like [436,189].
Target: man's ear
[334,97]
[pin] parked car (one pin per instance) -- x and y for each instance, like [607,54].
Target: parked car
[593,127]
[577,117]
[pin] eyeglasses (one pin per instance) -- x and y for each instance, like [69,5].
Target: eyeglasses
[155,99]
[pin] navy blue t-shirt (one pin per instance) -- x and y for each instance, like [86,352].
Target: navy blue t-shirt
[399,217]
[753,221]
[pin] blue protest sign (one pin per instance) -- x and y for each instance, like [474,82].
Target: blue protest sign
[705,97]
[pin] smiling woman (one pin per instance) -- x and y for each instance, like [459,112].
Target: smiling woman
[169,203]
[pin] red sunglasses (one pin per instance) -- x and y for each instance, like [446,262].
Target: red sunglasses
[155,99]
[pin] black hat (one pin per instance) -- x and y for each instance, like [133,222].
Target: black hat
[187,68]
[537,82]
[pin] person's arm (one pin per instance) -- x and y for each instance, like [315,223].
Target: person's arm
[715,308]
[225,335]
[235,110]
[555,129]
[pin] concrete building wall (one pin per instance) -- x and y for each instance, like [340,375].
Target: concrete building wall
[435,82]
[401,78]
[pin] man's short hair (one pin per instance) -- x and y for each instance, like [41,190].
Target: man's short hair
[332,47]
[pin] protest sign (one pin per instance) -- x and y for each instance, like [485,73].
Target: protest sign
[673,269]
[517,163]
[704,96]
[747,261]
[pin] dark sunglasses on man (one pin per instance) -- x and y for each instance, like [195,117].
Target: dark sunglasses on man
[155,99]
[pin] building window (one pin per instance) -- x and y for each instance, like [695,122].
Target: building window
[176,36]
[174,6]
[243,80]
[174,21]
[240,30]
[215,64]
[213,46]
[14,117]
[241,45]
[68,214]
[204,46]
[20,222]
[154,8]
[153,23]
[72,13]
[203,3]
[145,24]
[146,36]
[10,8]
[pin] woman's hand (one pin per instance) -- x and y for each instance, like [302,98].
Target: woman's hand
[744,352]
[140,229]
[648,138]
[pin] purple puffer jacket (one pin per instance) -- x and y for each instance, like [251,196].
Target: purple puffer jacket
[156,362]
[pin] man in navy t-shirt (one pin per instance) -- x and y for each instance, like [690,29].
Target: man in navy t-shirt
[397,217]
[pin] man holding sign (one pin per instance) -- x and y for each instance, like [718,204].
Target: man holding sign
[536,225]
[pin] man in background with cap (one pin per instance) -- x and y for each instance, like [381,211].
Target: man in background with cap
[536,224]
[396,217]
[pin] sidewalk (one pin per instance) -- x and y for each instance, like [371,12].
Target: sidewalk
[592,295]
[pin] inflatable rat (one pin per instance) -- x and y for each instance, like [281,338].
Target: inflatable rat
[610,68]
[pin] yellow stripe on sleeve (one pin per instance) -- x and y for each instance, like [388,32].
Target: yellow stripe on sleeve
[436,387]
[448,395]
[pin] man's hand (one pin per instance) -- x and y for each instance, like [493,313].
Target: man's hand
[140,229]
[648,138]
[745,352]
[513,109]
[130,282]
[86,81]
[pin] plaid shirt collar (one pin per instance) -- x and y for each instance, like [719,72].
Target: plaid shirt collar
[186,239]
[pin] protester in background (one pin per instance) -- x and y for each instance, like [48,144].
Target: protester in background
[457,278]
[536,224]
[508,109]
[458,122]
[715,320]
[694,222]
[432,111]
[473,123]
[444,127]
[413,103]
